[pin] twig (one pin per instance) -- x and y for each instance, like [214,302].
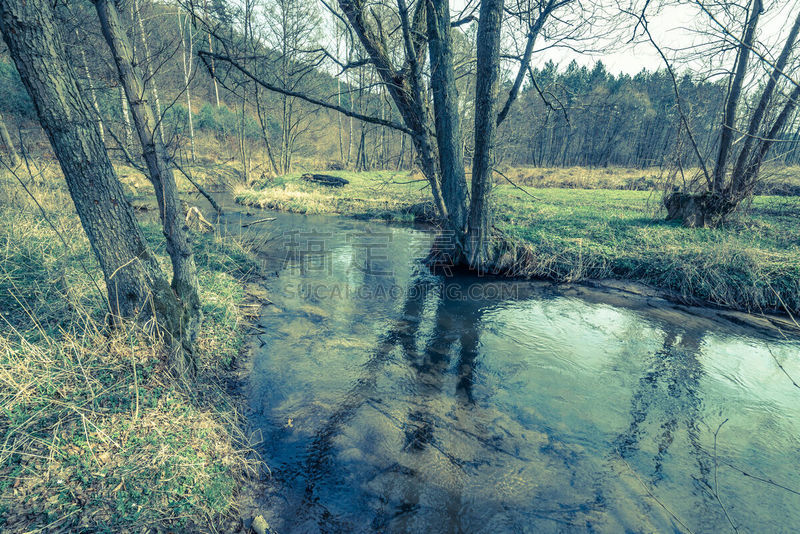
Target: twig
[795,384]
[516,185]
[761,479]
[202,191]
[716,482]
[785,307]
[664,506]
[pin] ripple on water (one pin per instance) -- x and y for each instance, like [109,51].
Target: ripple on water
[533,413]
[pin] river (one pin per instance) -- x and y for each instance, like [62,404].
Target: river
[392,399]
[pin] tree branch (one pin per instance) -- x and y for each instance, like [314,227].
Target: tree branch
[204,55]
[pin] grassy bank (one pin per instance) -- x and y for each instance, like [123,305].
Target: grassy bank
[95,437]
[369,195]
[752,264]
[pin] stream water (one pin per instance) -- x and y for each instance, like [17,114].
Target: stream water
[393,399]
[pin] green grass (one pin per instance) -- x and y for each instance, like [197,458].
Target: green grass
[751,263]
[572,234]
[95,436]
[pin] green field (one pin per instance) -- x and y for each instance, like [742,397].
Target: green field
[751,263]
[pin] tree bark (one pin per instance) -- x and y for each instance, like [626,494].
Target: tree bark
[13,156]
[726,137]
[487,88]
[446,116]
[135,283]
[179,247]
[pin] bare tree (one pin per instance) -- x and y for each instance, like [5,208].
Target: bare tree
[135,283]
[290,28]
[187,63]
[179,246]
[146,59]
[759,73]
[396,40]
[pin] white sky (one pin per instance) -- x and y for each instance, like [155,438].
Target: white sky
[673,28]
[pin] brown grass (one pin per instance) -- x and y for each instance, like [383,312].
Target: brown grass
[94,435]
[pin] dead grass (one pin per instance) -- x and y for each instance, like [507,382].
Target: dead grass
[370,195]
[93,434]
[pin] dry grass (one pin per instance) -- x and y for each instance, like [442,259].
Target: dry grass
[372,195]
[775,180]
[583,177]
[93,434]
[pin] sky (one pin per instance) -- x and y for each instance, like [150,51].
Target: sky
[673,28]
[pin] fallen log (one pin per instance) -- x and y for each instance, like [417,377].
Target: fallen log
[325,179]
[267,219]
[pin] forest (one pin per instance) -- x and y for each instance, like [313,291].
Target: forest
[399,265]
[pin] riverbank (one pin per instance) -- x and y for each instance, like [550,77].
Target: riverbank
[95,435]
[751,264]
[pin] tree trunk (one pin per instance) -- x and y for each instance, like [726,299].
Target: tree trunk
[125,116]
[187,63]
[262,121]
[408,93]
[179,247]
[243,145]
[92,93]
[148,73]
[13,157]
[213,67]
[135,283]
[446,117]
[738,184]
[487,87]
[726,138]
[751,171]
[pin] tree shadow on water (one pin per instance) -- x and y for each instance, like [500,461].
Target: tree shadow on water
[428,345]
[666,405]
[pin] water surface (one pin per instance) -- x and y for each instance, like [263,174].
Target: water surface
[393,399]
